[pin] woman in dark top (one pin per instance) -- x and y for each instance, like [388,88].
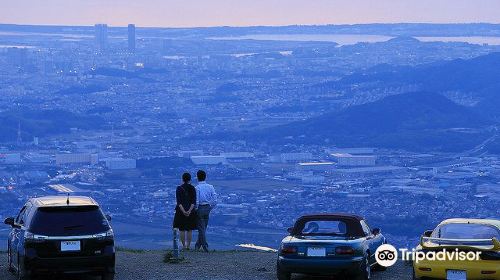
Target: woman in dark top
[185,216]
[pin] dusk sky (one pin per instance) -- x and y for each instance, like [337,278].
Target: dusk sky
[187,13]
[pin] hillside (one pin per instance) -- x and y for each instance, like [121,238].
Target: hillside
[415,121]
[477,77]
[149,265]
[43,123]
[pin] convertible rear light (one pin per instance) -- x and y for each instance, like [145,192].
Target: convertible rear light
[288,250]
[425,269]
[344,250]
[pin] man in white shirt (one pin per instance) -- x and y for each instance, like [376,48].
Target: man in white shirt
[206,200]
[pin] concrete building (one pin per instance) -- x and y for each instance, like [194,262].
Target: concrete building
[310,180]
[237,155]
[14,158]
[316,166]
[37,158]
[354,160]
[208,160]
[77,158]
[353,151]
[121,163]
[295,157]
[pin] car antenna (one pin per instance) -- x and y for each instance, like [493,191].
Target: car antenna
[67,200]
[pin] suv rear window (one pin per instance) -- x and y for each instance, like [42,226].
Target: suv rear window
[69,221]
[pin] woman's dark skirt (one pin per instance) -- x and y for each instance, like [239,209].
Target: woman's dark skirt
[184,223]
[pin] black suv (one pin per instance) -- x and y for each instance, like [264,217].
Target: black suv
[58,234]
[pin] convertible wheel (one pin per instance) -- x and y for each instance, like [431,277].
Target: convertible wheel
[365,270]
[282,275]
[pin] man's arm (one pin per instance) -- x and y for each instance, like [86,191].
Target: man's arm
[197,198]
[214,201]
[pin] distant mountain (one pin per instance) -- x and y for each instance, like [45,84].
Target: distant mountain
[397,29]
[43,123]
[415,121]
[478,77]
[404,40]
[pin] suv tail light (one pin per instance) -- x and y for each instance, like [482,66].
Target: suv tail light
[105,235]
[344,250]
[34,238]
[288,250]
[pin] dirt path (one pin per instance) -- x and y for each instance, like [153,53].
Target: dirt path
[215,266]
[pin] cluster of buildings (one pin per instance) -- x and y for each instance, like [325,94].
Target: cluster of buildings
[162,100]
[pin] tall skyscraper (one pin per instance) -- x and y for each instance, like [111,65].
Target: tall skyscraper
[131,38]
[101,37]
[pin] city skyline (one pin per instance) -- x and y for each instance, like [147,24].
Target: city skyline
[156,13]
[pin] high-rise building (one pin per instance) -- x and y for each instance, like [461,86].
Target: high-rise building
[101,37]
[131,38]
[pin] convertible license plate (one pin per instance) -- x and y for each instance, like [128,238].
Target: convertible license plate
[70,246]
[456,275]
[316,252]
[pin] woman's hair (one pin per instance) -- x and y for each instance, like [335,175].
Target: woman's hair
[186,177]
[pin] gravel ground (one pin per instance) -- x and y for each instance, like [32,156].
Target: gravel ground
[216,266]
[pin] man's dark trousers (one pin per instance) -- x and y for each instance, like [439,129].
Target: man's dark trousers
[203,213]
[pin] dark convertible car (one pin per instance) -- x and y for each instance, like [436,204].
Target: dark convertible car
[329,244]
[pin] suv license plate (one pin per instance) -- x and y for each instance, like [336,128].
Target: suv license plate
[70,246]
[456,275]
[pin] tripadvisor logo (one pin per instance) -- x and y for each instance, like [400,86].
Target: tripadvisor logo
[440,255]
[387,255]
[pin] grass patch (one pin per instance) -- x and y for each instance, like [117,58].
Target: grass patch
[128,250]
[169,258]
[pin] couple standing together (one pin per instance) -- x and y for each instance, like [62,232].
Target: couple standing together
[193,209]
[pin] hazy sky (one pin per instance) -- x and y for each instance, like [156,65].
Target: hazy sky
[179,13]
